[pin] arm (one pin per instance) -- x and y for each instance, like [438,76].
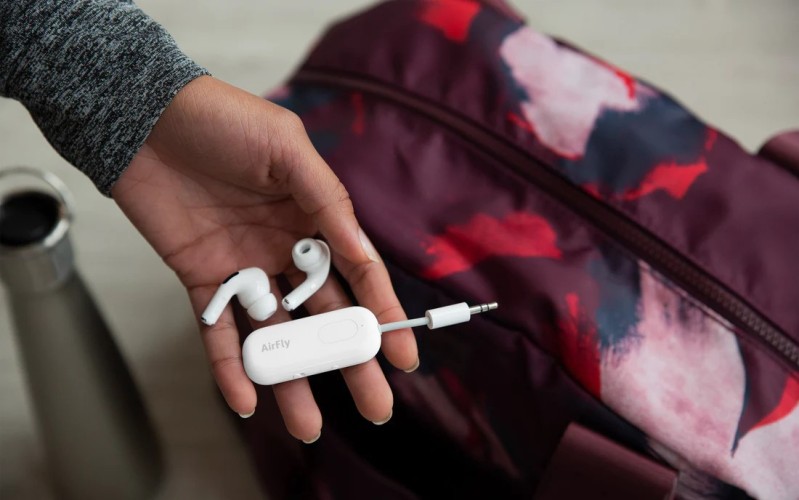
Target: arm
[95,76]
[214,178]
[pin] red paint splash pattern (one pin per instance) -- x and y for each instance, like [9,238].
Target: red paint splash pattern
[626,78]
[452,17]
[593,190]
[520,122]
[788,401]
[579,346]
[670,177]
[519,234]
[357,105]
[710,140]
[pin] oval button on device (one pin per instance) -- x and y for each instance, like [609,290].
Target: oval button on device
[338,331]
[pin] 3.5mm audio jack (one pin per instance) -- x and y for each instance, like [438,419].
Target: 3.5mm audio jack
[483,308]
[442,316]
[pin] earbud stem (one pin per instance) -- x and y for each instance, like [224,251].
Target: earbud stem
[295,299]
[313,257]
[218,302]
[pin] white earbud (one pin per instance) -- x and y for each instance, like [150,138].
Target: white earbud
[312,257]
[251,285]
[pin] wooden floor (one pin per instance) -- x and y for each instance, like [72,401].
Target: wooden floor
[734,63]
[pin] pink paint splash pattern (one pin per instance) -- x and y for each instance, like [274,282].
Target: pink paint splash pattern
[683,384]
[567,90]
[579,346]
[629,81]
[461,247]
[452,17]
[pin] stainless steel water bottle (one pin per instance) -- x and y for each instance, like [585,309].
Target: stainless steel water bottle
[99,441]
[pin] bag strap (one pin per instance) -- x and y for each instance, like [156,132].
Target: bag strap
[783,149]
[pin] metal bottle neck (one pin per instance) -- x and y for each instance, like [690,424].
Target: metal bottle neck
[39,259]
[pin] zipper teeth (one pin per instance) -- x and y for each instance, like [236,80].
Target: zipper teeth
[605,217]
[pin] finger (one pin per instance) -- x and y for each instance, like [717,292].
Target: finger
[300,412]
[321,195]
[317,190]
[297,405]
[221,342]
[371,285]
[370,391]
[366,382]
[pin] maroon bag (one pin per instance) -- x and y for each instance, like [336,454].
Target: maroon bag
[646,267]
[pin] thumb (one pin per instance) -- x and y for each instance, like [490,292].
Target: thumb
[321,195]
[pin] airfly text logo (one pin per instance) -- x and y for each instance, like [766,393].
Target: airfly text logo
[278,344]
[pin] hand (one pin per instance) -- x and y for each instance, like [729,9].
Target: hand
[227,180]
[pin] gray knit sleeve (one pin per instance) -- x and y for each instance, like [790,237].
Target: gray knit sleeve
[94,74]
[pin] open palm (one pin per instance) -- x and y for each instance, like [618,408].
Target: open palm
[227,180]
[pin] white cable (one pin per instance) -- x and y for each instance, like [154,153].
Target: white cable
[408,323]
[441,316]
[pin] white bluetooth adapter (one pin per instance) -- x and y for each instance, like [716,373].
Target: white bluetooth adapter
[311,345]
[330,341]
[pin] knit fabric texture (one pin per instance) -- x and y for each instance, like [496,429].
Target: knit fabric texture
[95,76]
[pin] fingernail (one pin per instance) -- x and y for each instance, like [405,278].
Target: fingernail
[367,246]
[413,368]
[313,440]
[381,422]
[247,415]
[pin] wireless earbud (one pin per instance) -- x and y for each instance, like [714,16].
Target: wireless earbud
[315,344]
[251,286]
[313,258]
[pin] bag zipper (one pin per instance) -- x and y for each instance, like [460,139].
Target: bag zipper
[652,250]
